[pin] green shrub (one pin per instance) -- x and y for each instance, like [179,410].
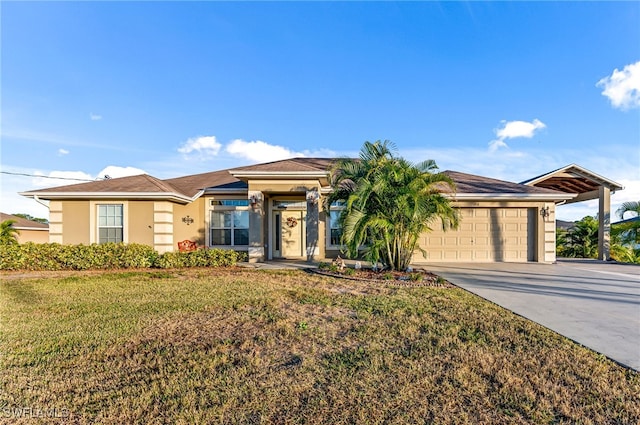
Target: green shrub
[349,272]
[53,256]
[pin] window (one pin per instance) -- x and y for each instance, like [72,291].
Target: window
[230,202]
[230,228]
[335,230]
[110,223]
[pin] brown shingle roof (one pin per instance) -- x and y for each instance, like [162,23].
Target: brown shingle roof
[290,165]
[470,183]
[23,223]
[191,185]
[131,184]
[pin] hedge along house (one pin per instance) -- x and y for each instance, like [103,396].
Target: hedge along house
[274,210]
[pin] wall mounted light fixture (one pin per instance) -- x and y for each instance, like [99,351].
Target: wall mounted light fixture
[544,212]
[312,197]
[188,220]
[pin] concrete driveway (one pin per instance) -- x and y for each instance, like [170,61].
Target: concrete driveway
[592,302]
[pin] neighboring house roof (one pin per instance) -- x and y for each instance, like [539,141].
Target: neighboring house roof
[628,220]
[23,223]
[188,188]
[564,225]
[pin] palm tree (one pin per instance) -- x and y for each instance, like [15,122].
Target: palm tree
[389,203]
[8,233]
[628,232]
[631,206]
[581,240]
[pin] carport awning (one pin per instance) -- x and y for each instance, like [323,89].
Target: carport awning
[574,179]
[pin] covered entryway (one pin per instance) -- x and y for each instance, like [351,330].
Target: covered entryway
[484,235]
[289,233]
[587,185]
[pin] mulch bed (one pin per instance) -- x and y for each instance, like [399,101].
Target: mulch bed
[394,278]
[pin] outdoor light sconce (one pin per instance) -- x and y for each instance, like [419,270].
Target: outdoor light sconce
[312,197]
[544,212]
[188,220]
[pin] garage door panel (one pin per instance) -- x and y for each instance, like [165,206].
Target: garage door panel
[484,234]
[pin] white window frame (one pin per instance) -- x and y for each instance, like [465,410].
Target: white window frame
[225,209]
[336,207]
[94,219]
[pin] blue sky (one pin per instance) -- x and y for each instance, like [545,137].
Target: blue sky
[508,90]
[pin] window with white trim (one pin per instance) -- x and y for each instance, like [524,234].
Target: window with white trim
[229,222]
[335,229]
[110,223]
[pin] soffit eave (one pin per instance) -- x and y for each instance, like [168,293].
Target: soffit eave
[89,196]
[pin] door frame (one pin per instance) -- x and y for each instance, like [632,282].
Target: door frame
[300,205]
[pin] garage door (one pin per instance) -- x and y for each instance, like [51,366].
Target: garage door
[484,234]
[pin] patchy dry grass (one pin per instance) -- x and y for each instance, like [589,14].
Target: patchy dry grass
[238,346]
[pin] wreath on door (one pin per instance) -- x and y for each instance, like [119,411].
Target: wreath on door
[292,222]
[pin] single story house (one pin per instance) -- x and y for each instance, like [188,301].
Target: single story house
[29,230]
[274,210]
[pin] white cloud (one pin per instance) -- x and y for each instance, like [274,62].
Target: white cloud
[513,130]
[205,146]
[623,87]
[259,151]
[95,117]
[62,152]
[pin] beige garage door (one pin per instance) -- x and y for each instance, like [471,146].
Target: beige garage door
[484,234]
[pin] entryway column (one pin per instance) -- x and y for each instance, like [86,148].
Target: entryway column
[313,218]
[604,222]
[256,220]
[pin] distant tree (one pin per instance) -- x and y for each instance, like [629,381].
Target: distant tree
[632,206]
[389,203]
[8,233]
[628,233]
[580,241]
[29,217]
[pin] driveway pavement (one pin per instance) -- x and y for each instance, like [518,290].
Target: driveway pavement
[594,303]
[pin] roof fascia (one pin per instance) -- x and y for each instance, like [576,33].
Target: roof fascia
[223,191]
[166,196]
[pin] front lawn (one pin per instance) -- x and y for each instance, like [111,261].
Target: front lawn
[242,346]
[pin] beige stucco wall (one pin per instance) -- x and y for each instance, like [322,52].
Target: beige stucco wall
[35,236]
[140,222]
[76,222]
[195,231]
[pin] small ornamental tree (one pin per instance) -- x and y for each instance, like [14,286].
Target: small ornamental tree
[8,233]
[389,203]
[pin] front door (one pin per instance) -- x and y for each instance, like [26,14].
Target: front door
[289,234]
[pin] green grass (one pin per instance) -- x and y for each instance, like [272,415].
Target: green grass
[241,346]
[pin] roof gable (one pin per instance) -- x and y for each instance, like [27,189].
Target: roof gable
[573,178]
[290,166]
